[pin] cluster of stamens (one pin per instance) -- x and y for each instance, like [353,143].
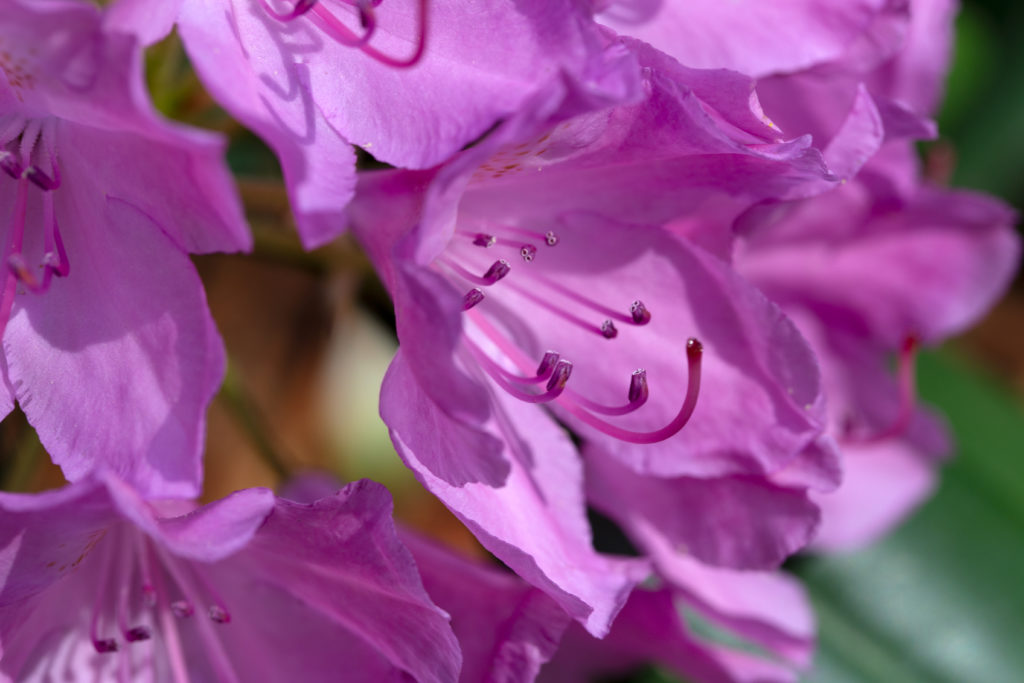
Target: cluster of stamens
[28,155]
[138,578]
[365,14]
[553,372]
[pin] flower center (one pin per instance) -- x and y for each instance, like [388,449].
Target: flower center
[493,351]
[365,11]
[144,589]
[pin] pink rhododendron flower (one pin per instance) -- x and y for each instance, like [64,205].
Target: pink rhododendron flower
[102,585]
[108,344]
[409,81]
[533,269]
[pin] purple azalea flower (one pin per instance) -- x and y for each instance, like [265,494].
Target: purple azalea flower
[108,344]
[546,237]
[409,81]
[709,625]
[102,585]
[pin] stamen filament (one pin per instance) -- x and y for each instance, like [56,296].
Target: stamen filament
[554,308]
[101,645]
[549,238]
[556,383]
[694,351]
[544,371]
[638,394]
[630,319]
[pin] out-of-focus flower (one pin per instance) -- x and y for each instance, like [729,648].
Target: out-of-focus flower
[879,266]
[102,585]
[533,269]
[409,81]
[868,274]
[108,344]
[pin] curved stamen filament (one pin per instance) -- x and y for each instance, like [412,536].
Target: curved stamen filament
[694,351]
[555,386]
[367,18]
[638,394]
[907,384]
[544,370]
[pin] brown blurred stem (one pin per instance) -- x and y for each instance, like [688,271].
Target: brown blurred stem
[26,461]
[248,415]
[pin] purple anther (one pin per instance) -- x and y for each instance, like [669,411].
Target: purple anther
[104,645]
[693,348]
[551,238]
[560,376]
[528,251]
[484,240]
[182,609]
[547,364]
[137,633]
[472,298]
[608,330]
[9,163]
[641,316]
[638,390]
[41,179]
[498,270]
[219,614]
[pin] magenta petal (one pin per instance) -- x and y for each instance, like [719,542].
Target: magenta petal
[927,269]
[208,533]
[754,38]
[506,628]
[453,449]
[250,75]
[149,20]
[882,484]
[127,334]
[197,204]
[342,558]
[535,523]
[736,522]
